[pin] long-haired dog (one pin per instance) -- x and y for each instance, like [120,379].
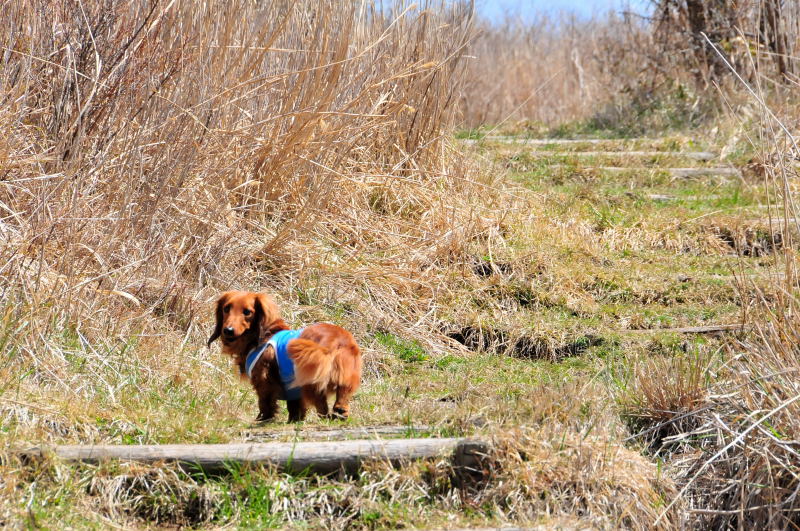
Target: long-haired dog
[303,367]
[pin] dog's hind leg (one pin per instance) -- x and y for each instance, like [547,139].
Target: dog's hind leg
[297,410]
[319,400]
[341,408]
[312,397]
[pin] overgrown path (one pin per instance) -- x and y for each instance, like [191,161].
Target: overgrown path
[633,248]
[663,222]
[625,258]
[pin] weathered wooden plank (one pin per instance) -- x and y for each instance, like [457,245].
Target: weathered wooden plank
[710,329]
[694,155]
[553,141]
[318,457]
[764,275]
[661,197]
[778,222]
[667,197]
[678,173]
[337,434]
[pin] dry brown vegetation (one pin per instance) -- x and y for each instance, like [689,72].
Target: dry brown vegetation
[154,151]
[551,70]
[153,154]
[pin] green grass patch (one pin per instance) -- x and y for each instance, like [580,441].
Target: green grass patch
[407,350]
[471,134]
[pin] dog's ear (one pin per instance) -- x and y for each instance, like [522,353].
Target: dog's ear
[218,328]
[268,316]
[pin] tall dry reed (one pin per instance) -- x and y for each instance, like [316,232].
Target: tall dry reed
[155,152]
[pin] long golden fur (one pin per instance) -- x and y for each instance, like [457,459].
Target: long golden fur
[326,357]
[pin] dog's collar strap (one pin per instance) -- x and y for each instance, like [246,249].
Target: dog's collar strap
[252,358]
[280,343]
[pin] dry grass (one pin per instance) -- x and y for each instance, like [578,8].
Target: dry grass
[628,72]
[152,155]
[155,155]
[205,134]
[554,474]
[740,468]
[664,395]
[578,473]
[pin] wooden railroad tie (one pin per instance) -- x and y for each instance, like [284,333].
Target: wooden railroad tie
[676,173]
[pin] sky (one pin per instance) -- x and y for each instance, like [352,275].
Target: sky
[494,9]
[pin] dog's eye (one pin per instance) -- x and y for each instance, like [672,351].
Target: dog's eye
[226,309]
[246,312]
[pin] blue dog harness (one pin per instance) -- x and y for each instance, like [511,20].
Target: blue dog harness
[280,343]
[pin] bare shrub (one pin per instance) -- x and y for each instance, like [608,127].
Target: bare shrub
[768,28]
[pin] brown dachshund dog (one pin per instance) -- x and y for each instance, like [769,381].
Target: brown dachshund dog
[321,360]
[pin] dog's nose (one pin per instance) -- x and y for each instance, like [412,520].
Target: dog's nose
[228,331]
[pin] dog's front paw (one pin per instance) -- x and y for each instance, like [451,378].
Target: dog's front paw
[265,418]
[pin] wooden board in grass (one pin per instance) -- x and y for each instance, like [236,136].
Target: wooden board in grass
[317,457]
[779,221]
[677,173]
[710,329]
[694,155]
[553,141]
[360,432]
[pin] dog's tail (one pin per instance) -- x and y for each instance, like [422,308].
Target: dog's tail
[313,363]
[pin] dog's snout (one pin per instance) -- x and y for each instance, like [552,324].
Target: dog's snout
[228,331]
